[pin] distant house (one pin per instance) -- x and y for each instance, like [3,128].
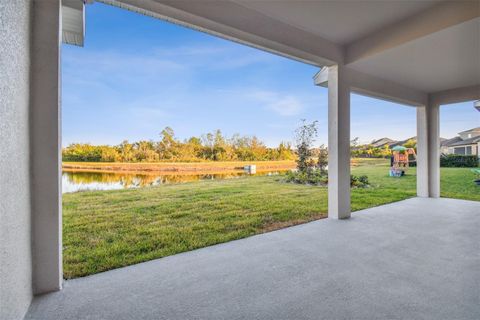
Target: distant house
[380,143]
[413,140]
[466,143]
[402,142]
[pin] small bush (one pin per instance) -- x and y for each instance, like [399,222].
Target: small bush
[359,182]
[311,176]
[458,161]
[320,178]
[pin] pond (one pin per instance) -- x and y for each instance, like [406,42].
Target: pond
[73,181]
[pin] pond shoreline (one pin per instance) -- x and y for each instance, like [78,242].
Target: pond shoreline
[113,176]
[176,168]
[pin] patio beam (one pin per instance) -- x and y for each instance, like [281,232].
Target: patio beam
[338,143]
[46,146]
[372,86]
[232,21]
[438,17]
[456,95]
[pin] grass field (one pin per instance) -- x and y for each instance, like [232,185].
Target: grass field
[110,229]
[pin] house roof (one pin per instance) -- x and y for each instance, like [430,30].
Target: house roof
[449,142]
[477,129]
[381,142]
[402,142]
[473,140]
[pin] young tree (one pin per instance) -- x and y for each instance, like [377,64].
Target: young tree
[167,145]
[304,138]
[322,158]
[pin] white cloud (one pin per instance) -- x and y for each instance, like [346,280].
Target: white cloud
[215,57]
[156,68]
[284,105]
[101,68]
[189,51]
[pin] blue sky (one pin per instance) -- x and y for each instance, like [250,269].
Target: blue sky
[137,75]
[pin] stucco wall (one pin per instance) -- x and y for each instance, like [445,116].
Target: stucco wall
[15,240]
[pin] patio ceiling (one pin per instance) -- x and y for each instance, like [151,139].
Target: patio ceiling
[428,46]
[446,59]
[341,22]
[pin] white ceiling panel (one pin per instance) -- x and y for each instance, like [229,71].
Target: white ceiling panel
[443,60]
[338,21]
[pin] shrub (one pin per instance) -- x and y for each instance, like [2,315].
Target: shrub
[322,162]
[458,160]
[311,176]
[320,178]
[359,182]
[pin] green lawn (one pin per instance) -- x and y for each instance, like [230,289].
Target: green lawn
[110,229]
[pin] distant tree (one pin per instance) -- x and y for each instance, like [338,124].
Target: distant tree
[82,152]
[258,148]
[109,154]
[354,143]
[145,151]
[370,151]
[322,162]
[411,143]
[285,152]
[125,150]
[212,146]
[386,152]
[219,147]
[208,141]
[191,150]
[167,145]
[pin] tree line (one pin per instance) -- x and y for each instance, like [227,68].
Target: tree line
[208,147]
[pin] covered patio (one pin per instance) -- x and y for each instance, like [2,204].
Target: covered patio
[414,259]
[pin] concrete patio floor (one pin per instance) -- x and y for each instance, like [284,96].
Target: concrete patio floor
[414,259]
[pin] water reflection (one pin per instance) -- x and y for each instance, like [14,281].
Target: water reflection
[73,181]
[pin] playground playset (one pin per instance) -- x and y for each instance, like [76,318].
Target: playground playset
[400,160]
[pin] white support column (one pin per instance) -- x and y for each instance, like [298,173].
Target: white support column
[338,143]
[422,152]
[45,146]
[433,125]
